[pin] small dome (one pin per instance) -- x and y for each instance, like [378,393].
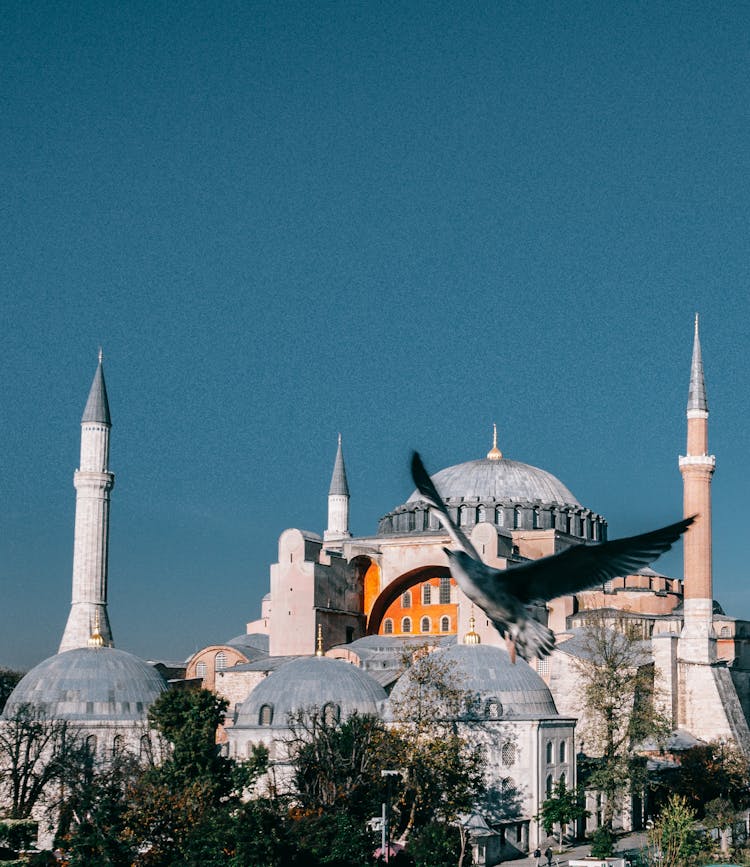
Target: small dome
[89,683]
[488,673]
[311,682]
[501,481]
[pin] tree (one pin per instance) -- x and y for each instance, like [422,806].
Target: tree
[33,752]
[710,771]
[673,839]
[561,808]
[8,681]
[616,689]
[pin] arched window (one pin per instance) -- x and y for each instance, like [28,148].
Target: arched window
[445,624]
[500,516]
[91,744]
[426,594]
[535,523]
[406,599]
[548,785]
[144,748]
[493,709]
[424,624]
[118,745]
[445,590]
[221,661]
[508,754]
[549,752]
[331,713]
[481,514]
[388,626]
[724,632]
[463,514]
[200,669]
[563,751]
[406,624]
[265,717]
[517,518]
[563,779]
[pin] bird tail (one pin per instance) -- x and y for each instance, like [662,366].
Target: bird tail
[532,638]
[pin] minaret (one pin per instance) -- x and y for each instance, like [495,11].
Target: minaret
[93,483]
[338,501]
[697,468]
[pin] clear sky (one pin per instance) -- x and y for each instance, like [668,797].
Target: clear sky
[399,220]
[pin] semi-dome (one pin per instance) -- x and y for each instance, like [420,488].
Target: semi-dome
[89,684]
[317,681]
[503,689]
[500,481]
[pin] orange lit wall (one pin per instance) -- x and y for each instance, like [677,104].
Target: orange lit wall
[372,586]
[417,610]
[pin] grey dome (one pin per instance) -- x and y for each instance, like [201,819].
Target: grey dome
[500,481]
[488,673]
[312,682]
[89,683]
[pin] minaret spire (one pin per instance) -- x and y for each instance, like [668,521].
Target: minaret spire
[494,454]
[697,468]
[93,483]
[338,500]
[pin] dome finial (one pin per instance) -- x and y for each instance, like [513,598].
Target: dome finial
[101,355]
[472,637]
[96,639]
[494,454]
[319,647]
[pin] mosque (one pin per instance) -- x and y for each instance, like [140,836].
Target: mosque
[341,609]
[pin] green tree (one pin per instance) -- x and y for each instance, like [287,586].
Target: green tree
[561,808]
[673,840]
[8,681]
[436,845]
[722,815]
[710,771]
[616,690]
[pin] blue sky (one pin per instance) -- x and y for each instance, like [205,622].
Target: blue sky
[401,221]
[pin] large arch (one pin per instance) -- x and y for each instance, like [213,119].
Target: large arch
[398,586]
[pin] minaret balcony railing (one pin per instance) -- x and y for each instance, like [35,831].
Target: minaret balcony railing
[697,460]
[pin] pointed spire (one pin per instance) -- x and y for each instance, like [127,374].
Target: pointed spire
[494,454]
[339,485]
[697,390]
[97,406]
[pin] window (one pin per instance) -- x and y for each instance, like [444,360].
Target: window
[517,519]
[493,709]
[462,516]
[118,745]
[536,523]
[144,748]
[388,626]
[445,590]
[221,661]
[563,751]
[200,669]
[548,785]
[426,594]
[424,625]
[508,754]
[563,779]
[406,624]
[406,599]
[724,632]
[445,624]
[499,517]
[542,665]
[549,752]
[481,514]
[91,744]
[265,717]
[331,713]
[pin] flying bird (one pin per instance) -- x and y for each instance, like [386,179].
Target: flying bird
[505,595]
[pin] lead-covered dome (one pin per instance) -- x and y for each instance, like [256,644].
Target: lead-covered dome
[501,689]
[89,684]
[308,682]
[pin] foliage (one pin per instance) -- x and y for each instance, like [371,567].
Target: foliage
[437,845]
[722,815]
[442,773]
[602,843]
[8,682]
[560,808]
[18,833]
[673,838]
[33,754]
[616,688]
[710,771]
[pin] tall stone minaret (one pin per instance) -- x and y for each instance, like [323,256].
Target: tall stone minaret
[338,501]
[697,468]
[93,483]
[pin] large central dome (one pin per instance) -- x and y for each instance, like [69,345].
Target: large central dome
[499,481]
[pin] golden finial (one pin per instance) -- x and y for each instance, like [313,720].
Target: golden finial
[494,454]
[471,636]
[319,648]
[96,639]
[101,355]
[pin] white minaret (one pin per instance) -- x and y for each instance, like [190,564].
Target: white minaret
[338,501]
[93,483]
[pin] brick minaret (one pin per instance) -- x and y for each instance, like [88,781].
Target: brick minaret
[338,501]
[93,483]
[697,468]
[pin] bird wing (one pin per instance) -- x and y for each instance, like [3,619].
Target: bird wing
[584,566]
[428,490]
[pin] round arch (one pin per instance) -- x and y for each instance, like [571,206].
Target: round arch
[398,586]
